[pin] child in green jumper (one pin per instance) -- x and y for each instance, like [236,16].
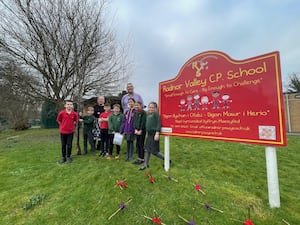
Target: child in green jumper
[153,127]
[114,125]
[88,125]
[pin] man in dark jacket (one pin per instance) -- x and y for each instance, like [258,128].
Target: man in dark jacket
[98,109]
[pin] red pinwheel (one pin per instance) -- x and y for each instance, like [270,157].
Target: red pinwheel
[199,188]
[156,220]
[151,179]
[121,184]
[124,185]
[248,222]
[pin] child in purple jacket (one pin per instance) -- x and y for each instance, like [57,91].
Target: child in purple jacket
[127,129]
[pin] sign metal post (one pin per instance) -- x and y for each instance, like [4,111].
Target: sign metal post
[272,174]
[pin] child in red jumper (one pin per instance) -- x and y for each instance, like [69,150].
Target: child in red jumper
[67,120]
[103,121]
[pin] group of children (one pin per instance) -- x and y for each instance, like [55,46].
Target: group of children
[133,125]
[106,125]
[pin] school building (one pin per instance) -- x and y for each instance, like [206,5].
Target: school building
[292,112]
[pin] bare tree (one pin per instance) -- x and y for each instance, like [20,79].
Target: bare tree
[16,106]
[64,45]
[294,83]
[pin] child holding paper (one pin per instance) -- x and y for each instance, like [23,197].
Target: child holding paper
[114,125]
[128,130]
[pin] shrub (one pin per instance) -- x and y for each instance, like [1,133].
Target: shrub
[21,125]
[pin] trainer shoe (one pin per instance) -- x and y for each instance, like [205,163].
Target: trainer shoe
[63,160]
[144,167]
[69,160]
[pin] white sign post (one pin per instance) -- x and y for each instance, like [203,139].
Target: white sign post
[167,147]
[272,173]
[167,153]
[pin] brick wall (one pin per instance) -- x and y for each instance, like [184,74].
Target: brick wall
[292,110]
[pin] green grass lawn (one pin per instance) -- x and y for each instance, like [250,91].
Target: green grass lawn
[35,189]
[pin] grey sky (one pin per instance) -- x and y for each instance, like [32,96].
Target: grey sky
[164,34]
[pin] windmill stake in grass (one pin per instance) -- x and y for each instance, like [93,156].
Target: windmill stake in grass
[207,206]
[192,222]
[155,219]
[121,207]
[199,188]
[247,221]
[169,176]
[283,220]
[121,184]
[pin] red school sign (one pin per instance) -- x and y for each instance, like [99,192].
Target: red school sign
[216,97]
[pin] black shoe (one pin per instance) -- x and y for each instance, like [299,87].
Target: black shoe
[63,160]
[137,162]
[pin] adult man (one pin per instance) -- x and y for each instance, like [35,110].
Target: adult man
[98,109]
[130,94]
